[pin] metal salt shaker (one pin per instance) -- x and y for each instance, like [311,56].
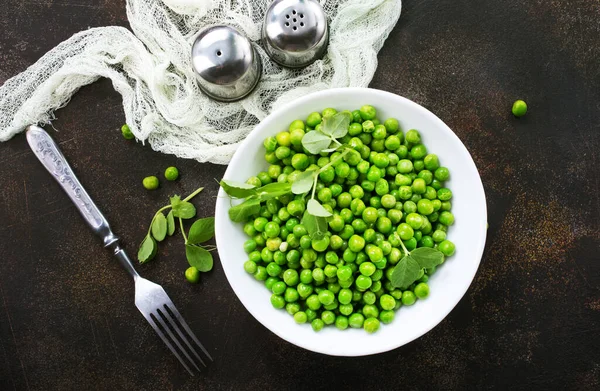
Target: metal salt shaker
[226,64]
[295,32]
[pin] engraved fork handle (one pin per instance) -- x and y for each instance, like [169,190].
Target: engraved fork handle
[46,150]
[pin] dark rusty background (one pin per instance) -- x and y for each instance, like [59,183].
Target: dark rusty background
[530,320]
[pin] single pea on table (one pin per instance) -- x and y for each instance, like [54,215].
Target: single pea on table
[349,221]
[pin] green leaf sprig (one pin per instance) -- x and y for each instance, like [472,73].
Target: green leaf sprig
[253,197]
[316,142]
[201,231]
[410,268]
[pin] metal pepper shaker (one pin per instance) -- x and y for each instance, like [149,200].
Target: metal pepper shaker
[226,64]
[295,32]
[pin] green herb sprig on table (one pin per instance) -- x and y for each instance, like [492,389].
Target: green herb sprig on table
[410,268]
[201,231]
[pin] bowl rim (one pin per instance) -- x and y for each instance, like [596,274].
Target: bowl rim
[266,123]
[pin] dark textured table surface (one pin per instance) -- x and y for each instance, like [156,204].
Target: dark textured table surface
[530,319]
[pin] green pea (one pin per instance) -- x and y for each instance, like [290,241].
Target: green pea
[313,119]
[441,174]
[291,295]
[317,325]
[150,183]
[413,136]
[341,322]
[356,320]
[379,133]
[425,207]
[347,232]
[368,112]
[261,273]
[270,144]
[408,298]
[405,231]
[447,248]
[386,316]
[446,218]
[328,112]
[328,317]
[519,108]
[426,241]
[418,152]
[405,166]
[419,186]
[384,225]
[292,308]
[313,302]
[277,301]
[193,275]
[422,290]
[320,245]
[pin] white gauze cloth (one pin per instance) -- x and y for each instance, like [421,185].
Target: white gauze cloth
[151,68]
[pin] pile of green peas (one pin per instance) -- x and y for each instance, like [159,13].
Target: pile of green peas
[388,189]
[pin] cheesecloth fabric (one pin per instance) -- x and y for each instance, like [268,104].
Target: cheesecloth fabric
[151,69]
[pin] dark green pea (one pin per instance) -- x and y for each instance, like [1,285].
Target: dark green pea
[356,116]
[433,217]
[426,241]
[378,145]
[352,158]
[411,244]
[436,184]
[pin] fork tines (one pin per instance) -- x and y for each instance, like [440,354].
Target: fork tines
[176,334]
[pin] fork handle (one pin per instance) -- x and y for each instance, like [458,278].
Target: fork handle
[48,153]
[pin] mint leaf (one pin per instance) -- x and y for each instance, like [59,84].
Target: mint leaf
[238,189]
[273,190]
[427,257]
[170,223]
[406,272]
[304,182]
[241,212]
[147,249]
[159,227]
[201,231]
[315,141]
[316,209]
[315,225]
[198,257]
[335,126]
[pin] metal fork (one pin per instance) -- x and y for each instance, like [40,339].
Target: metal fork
[150,298]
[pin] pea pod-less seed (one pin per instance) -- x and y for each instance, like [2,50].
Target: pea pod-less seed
[387,195]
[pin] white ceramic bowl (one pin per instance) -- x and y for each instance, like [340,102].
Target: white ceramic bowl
[447,285]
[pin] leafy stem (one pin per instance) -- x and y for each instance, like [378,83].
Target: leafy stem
[185,239]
